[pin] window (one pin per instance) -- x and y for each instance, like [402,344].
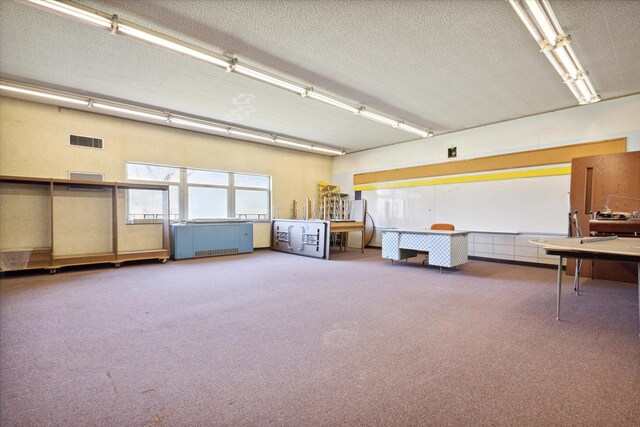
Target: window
[198,194]
[160,174]
[207,203]
[146,206]
[251,196]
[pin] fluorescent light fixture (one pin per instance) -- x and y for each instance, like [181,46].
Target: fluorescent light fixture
[251,135]
[331,101]
[551,57]
[168,118]
[572,87]
[268,78]
[126,28]
[126,110]
[539,19]
[378,118]
[175,45]
[415,130]
[291,143]
[198,125]
[567,62]
[527,22]
[327,150]
[543,21]
[77,12]
[44,95]
[584,90]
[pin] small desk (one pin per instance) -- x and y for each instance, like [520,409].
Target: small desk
[621,249]
[345,227]
[446,248]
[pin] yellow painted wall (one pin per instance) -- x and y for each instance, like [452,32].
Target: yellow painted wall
[34,141]
[25,216]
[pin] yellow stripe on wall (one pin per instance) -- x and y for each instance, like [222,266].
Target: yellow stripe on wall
[496,176]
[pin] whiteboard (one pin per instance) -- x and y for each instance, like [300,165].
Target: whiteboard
[538,204]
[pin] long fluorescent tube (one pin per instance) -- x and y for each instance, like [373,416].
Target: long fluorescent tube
[74,12]
[44,95]
[572,87]
[584,90]
[551,57]
[331,101]
[129,111]
[267,78]
[527,22]
[543,21]
[251,135]
[552,17]
[198,125]
[378,118]
[417,131]
[566,62]
[166,42]
[327,150]
[291,143]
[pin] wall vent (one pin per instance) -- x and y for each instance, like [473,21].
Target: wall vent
[85,141]
[217,252]
[85,176]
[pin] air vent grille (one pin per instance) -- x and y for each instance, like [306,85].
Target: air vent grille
[84,176]
[85,141]
[217,252]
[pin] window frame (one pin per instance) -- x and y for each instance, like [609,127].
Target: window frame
[183,192]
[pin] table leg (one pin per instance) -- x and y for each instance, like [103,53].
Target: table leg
[639,299]
[559,291]
[576,278]
[362,242]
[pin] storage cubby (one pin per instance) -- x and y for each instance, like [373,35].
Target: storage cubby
[52,223]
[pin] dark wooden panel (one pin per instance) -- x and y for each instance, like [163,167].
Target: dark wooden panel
[628,228]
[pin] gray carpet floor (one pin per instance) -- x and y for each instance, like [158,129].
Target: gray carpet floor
[273,339]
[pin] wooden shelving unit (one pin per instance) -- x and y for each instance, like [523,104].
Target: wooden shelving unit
[23,255]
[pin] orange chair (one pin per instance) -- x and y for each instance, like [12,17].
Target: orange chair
[439,226]
[442,227]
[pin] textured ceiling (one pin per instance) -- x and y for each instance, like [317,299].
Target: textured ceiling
[441,65]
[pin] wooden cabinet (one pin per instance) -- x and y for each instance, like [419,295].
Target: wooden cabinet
[593,180]
[52,223]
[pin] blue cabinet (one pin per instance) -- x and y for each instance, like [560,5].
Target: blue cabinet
[195,240]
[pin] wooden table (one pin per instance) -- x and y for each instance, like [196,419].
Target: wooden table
[345,227]
[619,249]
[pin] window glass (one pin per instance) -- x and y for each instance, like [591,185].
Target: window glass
[139,172]
[145,205]
[206,194]
[255,181]
[252,204]
[207,202]
[195,176]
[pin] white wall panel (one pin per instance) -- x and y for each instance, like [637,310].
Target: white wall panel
[537,205]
